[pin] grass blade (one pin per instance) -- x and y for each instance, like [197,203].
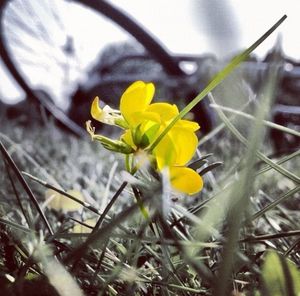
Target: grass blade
[266,122]
[275,203]
[27,219]
[25,186]
[47,185]
[239,202]
[219,77]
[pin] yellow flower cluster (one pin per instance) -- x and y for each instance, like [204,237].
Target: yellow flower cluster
[143,122]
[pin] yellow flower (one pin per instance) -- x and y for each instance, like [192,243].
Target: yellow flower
[144,122]
[145,119]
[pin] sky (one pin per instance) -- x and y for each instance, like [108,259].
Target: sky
[183,26]
[189,26]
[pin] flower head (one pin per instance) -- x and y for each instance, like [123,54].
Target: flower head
[143,122]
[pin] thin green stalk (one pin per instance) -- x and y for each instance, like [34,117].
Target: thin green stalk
[15,225]
[27,219]
[275,203]
[219,77]
[140,203]
[266,122]
[271,236]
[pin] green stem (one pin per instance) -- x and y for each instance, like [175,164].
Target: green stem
[219,77]
[127,162]
[140,203]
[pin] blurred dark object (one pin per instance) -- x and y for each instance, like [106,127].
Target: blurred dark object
[286,110]
[288,116]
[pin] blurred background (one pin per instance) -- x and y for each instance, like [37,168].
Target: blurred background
[66,52]
[63,40]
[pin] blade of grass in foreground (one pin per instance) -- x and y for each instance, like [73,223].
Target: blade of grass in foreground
[25,186]
[251,117]
[279,162]
[18,198]
[239,201]
[219,77]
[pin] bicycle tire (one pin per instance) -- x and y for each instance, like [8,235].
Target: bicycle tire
[159,53]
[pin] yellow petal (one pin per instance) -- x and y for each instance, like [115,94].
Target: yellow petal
[187,124]
[137,118]
[96,111]
[166,111]
[185,180]
[136,98]
[165,152]
[127,138]
[185,143]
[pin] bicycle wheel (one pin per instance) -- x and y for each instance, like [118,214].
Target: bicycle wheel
[48,47]
[45,48]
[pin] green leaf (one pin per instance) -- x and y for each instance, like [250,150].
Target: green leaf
[280,276]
